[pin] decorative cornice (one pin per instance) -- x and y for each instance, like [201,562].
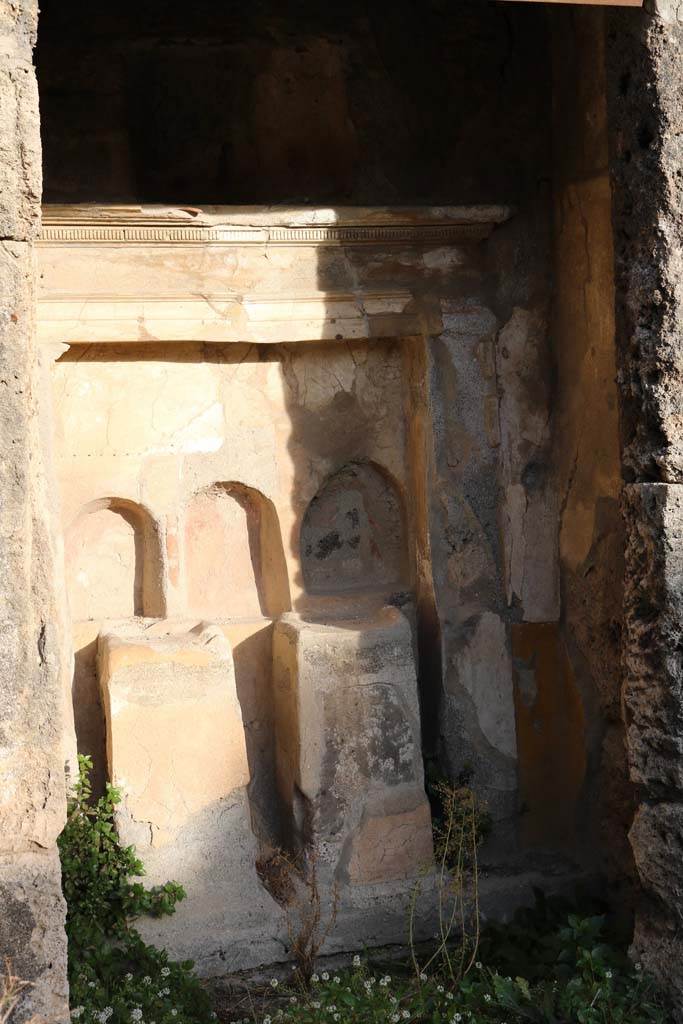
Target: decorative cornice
[115,226]
[361,235]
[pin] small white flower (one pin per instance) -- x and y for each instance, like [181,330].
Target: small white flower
[405,1014]
[608,974]
[638,967]
[267,1020]
[423,976]
[356,961]
[77,1011]
[91,984]
[161,994]
[337,1016]
[147,980]
[314,977]
[292,999]
[136,1014]
[395,1018]
[439,988]
[336,979]
[487,998]
[165,971]
[174,1013]
[457,1017]
[315,1004]
[129,977]
[331,1008]
[326,976]
[478,965]
[449,995]
[383,982]
[166,991]
[274,983]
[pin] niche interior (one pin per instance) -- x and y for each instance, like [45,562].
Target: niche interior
[239,403]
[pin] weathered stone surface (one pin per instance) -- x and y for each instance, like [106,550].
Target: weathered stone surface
[645,54]
[531,505]
[20,168]
[18,21]
[31,932]
[349,763]
[653,687]
[34,723]
[176,749]
[391,846]
[657,840]
[653,701]
[477,725]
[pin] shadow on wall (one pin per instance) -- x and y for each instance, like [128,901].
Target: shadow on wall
[113,552]
[114,570]
[353,536]
[235,561]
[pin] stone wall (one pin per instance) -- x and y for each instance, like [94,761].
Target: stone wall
[645,55]
[33,716]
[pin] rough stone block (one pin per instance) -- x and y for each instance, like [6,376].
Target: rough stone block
[176,749]
[20,155]
[18,23]
[32,915]
[644,58]
[653,599]
[653,699]
[32,698]
[657,841]
[348,738]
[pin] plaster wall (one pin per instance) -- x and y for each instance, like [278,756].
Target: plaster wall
[587,443]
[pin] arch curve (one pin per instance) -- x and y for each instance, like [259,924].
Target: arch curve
[353,534]
[114,561]
[234,559]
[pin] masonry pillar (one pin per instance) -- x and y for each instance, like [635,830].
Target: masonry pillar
[645,57]
[33,699]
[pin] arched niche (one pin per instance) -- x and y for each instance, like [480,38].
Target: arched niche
[234,560]
[113,561]
[353,536]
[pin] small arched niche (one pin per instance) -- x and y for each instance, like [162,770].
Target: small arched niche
[353,533]
[113,562]
[235,563]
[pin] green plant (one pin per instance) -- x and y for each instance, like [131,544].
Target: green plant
[548,966]
[592,984]
[114,976]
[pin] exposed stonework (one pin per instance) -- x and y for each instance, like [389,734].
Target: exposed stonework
[349,764]
[654,716]
[33,701]
[645,55]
